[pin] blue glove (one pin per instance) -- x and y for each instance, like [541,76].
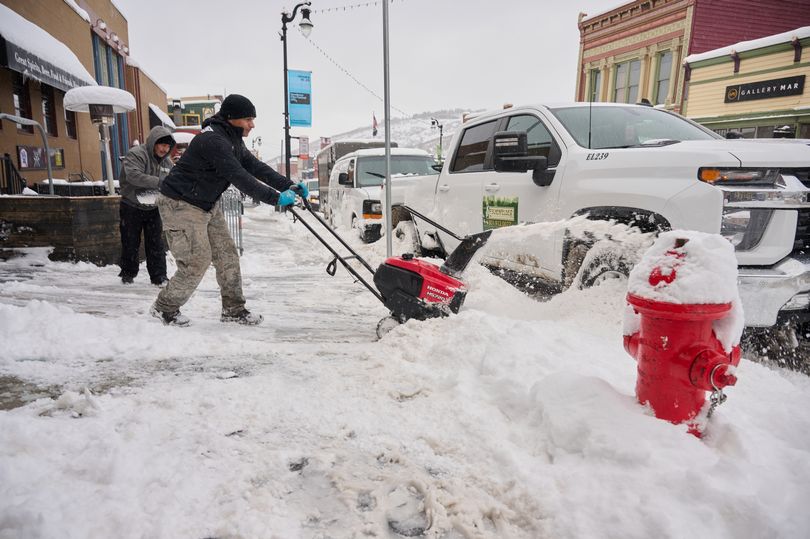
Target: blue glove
[302,189]
[287,198]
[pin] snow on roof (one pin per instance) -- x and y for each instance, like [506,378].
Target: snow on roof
[82,13]
[33,39]
[162,116]
[742,46]
[604,12]
[80,99]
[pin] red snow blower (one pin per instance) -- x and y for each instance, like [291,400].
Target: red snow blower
[409,288]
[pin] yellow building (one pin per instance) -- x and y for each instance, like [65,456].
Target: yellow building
[752,87]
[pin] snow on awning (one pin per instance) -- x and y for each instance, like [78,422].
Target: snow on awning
[35,53]
[162,116]
[183,137]
[80,99]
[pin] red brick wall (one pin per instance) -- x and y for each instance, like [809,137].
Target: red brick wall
[719,23]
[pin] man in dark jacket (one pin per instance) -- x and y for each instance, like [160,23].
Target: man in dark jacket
[191,210]
[143,168]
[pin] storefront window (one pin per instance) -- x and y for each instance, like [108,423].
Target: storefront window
[70,123]
[22,101]
[596,85]
[627,77]
[49,110]
[662,78]
[110,72]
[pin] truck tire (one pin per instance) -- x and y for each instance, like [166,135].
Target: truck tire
[572,263]
[602,264]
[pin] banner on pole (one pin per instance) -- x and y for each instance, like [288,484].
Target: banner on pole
[299,97]
[303,147]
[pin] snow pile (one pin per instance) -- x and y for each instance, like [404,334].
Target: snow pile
[703,270]
[515,418]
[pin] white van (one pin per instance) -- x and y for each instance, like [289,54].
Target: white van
[355,185]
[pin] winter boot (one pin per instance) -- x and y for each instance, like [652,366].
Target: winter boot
[170,319]
[243,317]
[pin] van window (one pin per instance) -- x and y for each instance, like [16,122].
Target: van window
[472,152]
[539,139]
[371,169]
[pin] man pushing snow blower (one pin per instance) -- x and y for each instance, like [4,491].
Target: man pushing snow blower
[189,204]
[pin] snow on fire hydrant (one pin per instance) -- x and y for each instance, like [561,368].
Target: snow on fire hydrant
[683,325]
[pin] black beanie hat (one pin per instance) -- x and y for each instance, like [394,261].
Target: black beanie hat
[237,106]
[168,139]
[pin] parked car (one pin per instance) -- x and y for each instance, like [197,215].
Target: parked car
[637,165]
[354,186]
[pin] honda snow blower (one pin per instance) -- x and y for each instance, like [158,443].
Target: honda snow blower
[409,288]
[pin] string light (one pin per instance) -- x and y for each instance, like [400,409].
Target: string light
[348,74]
[349,7]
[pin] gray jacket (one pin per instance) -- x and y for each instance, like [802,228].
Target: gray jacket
[141,172]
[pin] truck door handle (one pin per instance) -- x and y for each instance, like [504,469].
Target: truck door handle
[492,187]
[444,188]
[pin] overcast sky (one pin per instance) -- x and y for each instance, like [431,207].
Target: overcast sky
[444,54]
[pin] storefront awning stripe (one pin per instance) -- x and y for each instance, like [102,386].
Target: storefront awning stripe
[35,53]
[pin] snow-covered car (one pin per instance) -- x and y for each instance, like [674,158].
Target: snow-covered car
[355,186]
[637,165]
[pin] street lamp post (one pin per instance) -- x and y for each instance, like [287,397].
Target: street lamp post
[306,27]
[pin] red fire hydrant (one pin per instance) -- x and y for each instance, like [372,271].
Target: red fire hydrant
[679,355]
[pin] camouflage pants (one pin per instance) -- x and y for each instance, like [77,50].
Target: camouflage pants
[198,238]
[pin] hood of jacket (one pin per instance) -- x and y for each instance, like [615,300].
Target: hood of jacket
[157,133]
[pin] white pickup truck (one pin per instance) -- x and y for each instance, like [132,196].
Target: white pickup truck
[637,165]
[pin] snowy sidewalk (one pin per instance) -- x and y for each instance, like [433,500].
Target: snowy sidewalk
[513,419]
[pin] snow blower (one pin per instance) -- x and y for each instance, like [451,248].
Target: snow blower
[409,288]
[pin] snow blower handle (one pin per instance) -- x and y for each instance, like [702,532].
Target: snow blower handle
[298,190]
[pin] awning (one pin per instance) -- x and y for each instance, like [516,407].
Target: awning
[30,50]
[162,116]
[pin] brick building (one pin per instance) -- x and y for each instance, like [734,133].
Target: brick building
[636,51]
[47,48]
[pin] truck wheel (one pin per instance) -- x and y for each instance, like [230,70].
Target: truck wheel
[573,261]
[598,267]
[785,345]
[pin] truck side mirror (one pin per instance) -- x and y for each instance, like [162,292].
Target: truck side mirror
[343,178]
[511,153]
[437,167]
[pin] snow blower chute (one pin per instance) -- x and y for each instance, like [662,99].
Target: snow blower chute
[409,288]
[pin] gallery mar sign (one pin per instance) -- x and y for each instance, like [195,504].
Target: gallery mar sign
[765,89]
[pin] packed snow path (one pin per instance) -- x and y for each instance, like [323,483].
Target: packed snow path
[513,419]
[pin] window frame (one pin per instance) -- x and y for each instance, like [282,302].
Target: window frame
[49,110]
[659,79]
[626,88]
[70,125]
[554,154]
[21,99]
[595,86]
[486,164]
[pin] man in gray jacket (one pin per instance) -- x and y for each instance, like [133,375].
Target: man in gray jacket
[143,168]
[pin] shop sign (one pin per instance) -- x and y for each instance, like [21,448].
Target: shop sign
[35,67]
[765,89]
[33,158]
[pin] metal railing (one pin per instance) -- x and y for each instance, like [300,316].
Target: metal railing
[233,208]
[11,182]
[33,123]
